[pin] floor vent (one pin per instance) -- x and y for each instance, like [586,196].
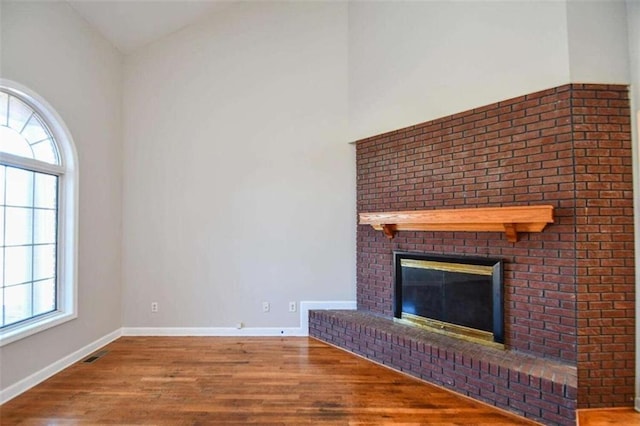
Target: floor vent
[95,357]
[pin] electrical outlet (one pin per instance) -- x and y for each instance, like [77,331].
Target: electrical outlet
[154,307]
[292,306]
[266,307]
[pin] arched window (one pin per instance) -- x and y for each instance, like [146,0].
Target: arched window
[38,211]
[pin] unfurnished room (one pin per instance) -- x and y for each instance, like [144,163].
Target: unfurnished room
[319,212]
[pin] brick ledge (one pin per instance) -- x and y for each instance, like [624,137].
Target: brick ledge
[533,387]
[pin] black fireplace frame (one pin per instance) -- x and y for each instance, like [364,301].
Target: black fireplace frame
[497,287]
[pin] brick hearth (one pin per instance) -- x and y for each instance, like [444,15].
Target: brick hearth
[527,385]
[569,291]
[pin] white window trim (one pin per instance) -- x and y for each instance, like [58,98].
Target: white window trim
[67,266]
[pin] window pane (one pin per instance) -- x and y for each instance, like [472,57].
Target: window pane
[44,262]
[14,143]
[35,130]
[28,213]
[44,296]
[17,265]
[18,303]
[4,99]
[19,113]
[1,268]
[44,226]
[19,187]
[18,226]
[25,133]
[45,151]
[2,171]
[46,191]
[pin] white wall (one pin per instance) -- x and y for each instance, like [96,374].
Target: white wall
[48,48]
[633,27]
[239,182]
[597,32]
[411,62]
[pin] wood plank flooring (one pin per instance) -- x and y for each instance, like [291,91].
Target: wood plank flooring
[230,380]
[608,417]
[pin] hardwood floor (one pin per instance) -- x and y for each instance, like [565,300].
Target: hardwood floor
[608,417]
[225,380]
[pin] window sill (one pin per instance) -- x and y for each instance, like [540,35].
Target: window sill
[28,328]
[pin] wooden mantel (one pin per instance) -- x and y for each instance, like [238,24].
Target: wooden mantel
[509,220]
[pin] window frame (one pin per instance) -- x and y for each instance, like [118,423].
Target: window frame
[67,237]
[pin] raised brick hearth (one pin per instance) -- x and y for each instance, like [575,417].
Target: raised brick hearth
[569,291]
[527,385]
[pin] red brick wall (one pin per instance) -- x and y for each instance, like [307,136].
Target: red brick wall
[604,246]
[569,290]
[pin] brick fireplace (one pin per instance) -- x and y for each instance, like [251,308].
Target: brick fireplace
[569,291]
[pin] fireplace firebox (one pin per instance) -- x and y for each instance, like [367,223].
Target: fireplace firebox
[456,295]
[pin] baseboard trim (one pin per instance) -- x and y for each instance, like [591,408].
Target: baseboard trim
[305,307]
[54,368]
[211,331]
[303,330]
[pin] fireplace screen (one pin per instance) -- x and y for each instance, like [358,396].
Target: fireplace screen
[455,295]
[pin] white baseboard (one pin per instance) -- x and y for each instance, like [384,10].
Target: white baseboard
[305,307]
[303,330]
[211,331]
[42,375]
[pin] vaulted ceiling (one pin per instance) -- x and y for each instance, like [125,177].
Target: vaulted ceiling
[130,25]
